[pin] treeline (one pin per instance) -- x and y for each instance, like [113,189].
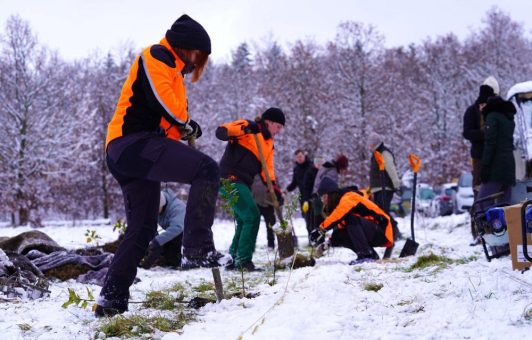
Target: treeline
[54,113]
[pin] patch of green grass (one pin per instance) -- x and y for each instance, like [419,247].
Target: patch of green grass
[205,290]
[465,260]
[159,300]
[24,327]
[372,286]
[178,288]
[204,287]
[137,325]
[431,260]
[232,284]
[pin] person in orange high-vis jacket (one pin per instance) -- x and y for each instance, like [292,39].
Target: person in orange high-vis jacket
[357,222]
[144,148]
[240,163]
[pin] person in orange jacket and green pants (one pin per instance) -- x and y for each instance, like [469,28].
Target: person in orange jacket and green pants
[240,163]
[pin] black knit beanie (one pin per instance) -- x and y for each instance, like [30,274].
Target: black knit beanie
[327,186]
[484,92]
[187,33]
[274,114]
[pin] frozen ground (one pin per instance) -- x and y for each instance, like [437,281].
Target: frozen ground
[469,298]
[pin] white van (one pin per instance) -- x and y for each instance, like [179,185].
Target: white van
[464,196]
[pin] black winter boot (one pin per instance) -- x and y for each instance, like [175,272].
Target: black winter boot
[101,311]
[210,260]
[247,266]
[113,298]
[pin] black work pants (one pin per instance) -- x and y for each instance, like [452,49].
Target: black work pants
[359,235]
[140,162]
[383,198]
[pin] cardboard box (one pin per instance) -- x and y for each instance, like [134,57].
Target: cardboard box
[513,219]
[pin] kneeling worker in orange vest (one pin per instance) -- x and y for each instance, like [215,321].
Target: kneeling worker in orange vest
[357,223]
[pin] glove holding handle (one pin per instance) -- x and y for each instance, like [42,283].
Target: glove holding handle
[191,130]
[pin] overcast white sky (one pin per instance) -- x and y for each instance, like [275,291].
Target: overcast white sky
[76,27]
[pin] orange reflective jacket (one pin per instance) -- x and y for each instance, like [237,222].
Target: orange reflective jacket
[355,204]
[152,96]
[235,163]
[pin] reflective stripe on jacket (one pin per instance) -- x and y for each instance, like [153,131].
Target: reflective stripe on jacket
[241,160]
[153,95]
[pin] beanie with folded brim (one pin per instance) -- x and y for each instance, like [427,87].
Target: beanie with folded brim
[188,34]
[327,186]
[274,114]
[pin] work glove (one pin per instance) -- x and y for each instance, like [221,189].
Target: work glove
[252,127]
[154,251]
[305,207]
[317,237]
[191,130]
[484,174]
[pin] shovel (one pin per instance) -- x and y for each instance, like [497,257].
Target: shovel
[285,245]
[410,247]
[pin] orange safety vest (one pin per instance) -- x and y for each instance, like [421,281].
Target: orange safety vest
[235,130]
[348,204]
[160,67]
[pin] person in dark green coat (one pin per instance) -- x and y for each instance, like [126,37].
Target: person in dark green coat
[498,164]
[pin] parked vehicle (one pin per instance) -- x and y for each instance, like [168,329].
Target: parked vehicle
[443,203]
[424,195]
[521,96]
[463,199]
[401,203]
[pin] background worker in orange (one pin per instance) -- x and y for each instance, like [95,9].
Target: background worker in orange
[240,163]
[358,223]
[143,148]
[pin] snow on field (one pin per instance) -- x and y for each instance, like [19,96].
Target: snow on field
[471,298]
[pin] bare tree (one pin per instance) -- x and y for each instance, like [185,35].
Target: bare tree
[39,121]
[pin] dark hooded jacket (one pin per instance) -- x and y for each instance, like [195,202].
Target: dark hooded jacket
[298,179]
[473,131]
[498,159]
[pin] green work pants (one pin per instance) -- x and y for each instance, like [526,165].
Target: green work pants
[247,218]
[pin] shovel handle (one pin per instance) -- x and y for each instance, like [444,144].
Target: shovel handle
[379,159]
[269,184]
[415,162]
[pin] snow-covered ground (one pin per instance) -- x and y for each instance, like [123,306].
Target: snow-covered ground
[332,300]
